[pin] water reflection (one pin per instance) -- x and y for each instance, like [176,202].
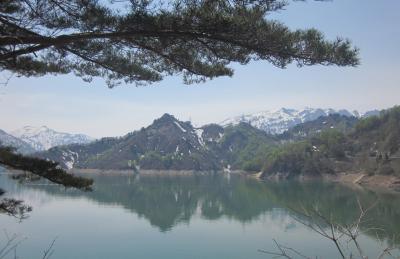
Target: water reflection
[166,201]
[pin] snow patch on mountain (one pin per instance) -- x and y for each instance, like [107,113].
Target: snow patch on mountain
[69,158]
[42,138]
[278,121]
[179,126]
[199,134]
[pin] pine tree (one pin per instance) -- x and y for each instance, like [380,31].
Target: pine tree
[142,41]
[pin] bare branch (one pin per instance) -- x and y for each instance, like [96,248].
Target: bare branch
[49,251]
[313,218]
[12,242]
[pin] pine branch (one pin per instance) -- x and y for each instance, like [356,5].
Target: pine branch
[43,168]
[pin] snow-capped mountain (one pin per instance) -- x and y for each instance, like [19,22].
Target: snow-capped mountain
[9,140]
[43,138]
[276,122]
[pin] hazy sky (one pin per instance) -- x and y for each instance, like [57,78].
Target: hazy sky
[66,103]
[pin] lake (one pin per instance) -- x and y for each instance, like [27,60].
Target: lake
[204,216]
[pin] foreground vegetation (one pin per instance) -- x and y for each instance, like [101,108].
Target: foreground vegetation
[37,168]
[42,168]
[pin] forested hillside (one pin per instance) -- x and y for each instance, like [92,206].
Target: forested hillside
[341,123]
[370,146]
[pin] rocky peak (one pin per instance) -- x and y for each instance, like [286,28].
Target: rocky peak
[166,118]
[168,124]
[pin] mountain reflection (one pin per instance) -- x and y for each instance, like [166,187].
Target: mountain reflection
[166,201]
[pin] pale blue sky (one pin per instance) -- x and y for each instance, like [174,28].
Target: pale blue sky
[66,103]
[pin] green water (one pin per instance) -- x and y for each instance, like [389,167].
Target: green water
[214,216]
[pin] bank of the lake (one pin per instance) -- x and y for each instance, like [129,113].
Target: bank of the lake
[378,182]
[353,179]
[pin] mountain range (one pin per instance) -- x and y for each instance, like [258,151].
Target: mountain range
[239,143]
[279,121]
[320,146]
[32,139]
[166,144]
[333,146]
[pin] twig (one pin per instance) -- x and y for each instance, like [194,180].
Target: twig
[11,245]
[49,251]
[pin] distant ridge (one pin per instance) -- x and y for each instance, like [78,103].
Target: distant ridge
[42,138]
[20,145]
[279,121]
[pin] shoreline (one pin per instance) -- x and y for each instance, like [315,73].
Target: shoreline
[148,172]
[376,182]
[358,180]
[389,183]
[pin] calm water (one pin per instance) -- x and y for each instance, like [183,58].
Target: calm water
[216,216]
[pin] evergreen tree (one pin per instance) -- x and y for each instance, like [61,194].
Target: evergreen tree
[141,41]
